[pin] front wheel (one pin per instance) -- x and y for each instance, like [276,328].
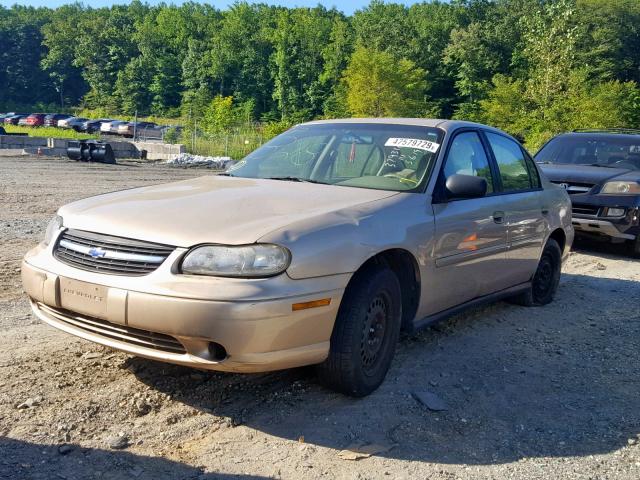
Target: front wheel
[634,247]
[544,283]
[365,334]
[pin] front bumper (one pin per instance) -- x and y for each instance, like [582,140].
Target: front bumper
[174,318]
[590,216]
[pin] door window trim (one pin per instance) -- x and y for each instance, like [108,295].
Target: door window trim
[483,133]
[438,194]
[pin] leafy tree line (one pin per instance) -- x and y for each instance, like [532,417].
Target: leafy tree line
[532,67]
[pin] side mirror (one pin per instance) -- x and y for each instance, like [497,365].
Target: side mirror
[465,186]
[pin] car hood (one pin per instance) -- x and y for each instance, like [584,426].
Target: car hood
[585,173]
[210,209]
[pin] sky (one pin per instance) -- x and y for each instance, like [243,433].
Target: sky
[347,7]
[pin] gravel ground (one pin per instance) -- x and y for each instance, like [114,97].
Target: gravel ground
[549,392]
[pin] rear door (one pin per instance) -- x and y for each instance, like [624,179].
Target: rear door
[523,206]
[470,234]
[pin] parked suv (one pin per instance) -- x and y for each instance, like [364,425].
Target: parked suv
[600,169]
[317,248]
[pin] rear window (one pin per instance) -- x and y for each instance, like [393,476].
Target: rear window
[602,150]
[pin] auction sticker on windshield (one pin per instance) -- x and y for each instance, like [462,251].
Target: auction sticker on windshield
[413,143]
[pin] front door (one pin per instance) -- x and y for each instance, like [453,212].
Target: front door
[470,234]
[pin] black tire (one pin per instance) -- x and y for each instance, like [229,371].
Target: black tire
[634,247]
[544,283]
[365,334]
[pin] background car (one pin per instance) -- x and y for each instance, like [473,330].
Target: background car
[52,119]
[13,119]
[36,119]
[600,169]
[130,129]
[22,121]
[156,132]
[91,126]
[111,127]
[63,122]
[74,123]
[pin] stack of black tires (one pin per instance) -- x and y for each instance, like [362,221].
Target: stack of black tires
[90,151]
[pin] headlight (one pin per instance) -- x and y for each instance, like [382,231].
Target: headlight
[621,188]
[54,225]
[260,260]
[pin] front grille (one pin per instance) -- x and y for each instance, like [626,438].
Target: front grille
[586,210]
[114,331]
[108,254]
[573,188]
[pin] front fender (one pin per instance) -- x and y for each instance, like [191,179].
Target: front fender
[343,240]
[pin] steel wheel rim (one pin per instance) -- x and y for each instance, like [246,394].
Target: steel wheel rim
[374,332]
[543,281]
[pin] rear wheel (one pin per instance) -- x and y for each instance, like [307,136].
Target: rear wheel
[544,283]
[634,247]
[365,335]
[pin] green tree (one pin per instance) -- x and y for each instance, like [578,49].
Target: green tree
[132,87]
[59,39]
[219,115]
[380,85]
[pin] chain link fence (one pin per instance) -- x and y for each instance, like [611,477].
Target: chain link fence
[234,145]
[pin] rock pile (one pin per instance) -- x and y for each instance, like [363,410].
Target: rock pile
[187,159]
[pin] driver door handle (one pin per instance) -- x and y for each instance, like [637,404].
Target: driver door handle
[498,217]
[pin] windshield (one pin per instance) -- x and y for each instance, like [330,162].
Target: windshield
[377,156]
[619,151]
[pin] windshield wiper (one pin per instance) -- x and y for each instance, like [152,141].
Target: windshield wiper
[597,165]
[295,179]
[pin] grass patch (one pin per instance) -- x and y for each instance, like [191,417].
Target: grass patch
[49,132]
[231,145]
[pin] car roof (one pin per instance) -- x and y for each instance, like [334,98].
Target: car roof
[446,125]
[603,135]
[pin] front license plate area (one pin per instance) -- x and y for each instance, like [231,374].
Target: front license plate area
[83,297]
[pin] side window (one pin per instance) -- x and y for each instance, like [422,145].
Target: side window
[467,157]
[533,171]
[513,169]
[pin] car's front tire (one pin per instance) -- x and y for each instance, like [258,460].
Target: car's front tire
[365,334]
[544,282]
[634,247]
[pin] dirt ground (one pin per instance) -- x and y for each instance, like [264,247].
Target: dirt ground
[550,392]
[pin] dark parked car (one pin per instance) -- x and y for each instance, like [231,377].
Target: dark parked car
[91,126]
[600,169]
[52,119]
[15,118]
[35,119]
